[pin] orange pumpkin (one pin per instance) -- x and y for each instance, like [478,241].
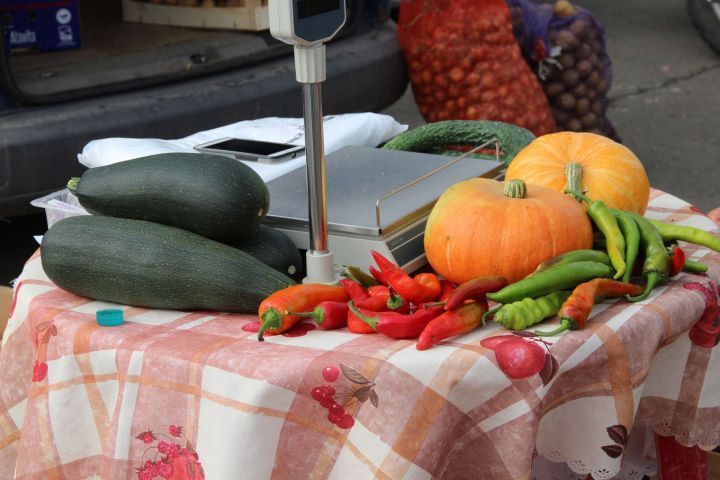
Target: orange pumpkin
[603,168]
[484,227]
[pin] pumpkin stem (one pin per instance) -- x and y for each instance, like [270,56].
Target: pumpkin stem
[573,173]
[515,189]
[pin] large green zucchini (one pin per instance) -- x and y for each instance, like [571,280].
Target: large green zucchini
[274,248]
[212,195]
[433,137]
[147,264]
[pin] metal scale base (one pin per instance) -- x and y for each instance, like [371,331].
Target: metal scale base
[376,200]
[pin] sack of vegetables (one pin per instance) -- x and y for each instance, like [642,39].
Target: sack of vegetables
[465,64]
[565,45]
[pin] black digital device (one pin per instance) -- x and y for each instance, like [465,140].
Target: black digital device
[308,8]
[246,149]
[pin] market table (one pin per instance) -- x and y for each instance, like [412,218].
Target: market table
[195,395]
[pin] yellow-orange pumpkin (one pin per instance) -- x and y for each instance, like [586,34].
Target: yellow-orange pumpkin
[484,227]
[609,171]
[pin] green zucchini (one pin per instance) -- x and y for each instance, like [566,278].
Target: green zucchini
[211,195]
[435,136]
[146,264]
[274,248]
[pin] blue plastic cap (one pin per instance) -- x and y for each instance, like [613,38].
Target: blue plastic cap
[110,317]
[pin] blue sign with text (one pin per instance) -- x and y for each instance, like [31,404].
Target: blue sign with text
[46,26]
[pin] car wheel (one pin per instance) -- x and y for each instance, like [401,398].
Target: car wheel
[705,14]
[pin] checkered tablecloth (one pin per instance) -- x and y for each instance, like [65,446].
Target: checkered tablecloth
[191,395]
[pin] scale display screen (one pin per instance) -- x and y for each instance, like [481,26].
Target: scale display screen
[308,8]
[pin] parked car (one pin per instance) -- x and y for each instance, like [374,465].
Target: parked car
[137,80]
[705,15]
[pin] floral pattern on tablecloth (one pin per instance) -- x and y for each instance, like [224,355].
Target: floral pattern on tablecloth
[247,408]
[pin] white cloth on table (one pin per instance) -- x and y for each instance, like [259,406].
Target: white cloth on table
[356,129]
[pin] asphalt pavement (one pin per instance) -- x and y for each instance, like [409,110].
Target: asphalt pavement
[665,96]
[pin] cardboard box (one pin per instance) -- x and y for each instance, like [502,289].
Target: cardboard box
[253,16]
[43,25]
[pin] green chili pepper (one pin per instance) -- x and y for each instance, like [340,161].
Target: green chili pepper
[656,266]
[689,234]
[574,256]
[553,279]
[630,231]
[605,221]
[529,311]
[694,266]
[354,273]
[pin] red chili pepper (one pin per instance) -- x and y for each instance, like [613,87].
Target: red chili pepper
[328,315]
[475,289]
[397,303]
[396,325]
[377,290]
[431,281]
[677,261]
[376,304]
[378,275]
[404,284]
[453,322]
[356,324]
[355,291]
[274,311]
[447,290]
[362,298]
[576,309]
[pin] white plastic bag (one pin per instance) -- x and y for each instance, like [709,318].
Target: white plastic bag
[357,129]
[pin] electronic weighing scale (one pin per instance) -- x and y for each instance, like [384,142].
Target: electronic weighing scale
[376,200]
[371,198]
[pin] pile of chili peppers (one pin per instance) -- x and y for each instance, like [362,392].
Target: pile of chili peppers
[427,308]
[389,302]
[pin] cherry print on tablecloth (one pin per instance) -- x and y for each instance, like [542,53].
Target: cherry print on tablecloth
[41,337]
[356,388]
[706,331]
[521,355]
[170,460]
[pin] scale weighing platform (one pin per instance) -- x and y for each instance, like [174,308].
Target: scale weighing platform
[376,200]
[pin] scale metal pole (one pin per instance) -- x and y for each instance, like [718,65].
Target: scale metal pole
[310,72]
[315,158]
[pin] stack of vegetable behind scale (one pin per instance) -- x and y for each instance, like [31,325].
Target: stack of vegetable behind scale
[565,46]
[155,237]
[464,63]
